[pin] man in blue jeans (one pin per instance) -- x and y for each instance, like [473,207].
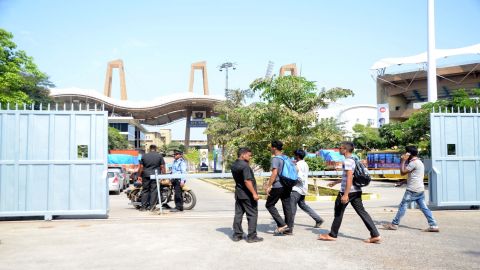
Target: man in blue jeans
[414,167]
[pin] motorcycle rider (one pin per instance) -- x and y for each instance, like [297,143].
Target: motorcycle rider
[148,164]
[179,167]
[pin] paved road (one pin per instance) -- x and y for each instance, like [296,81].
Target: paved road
[199,239]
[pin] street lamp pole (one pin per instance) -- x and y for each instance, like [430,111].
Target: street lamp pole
[225,66]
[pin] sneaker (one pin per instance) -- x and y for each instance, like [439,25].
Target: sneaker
[237,238]
[254,239]
[318,224]
[390,226]
[432,229]
[175,210]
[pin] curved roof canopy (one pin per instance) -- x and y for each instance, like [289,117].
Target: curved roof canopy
[159,111]
[423,57]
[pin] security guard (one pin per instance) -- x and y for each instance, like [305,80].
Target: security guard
[179,167]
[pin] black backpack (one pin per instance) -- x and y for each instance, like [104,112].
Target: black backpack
[361,176]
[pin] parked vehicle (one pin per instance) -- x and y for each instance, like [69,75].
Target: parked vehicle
[123,176]
[114,182]
[167,194]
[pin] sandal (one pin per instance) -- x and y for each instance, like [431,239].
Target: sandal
[281,230]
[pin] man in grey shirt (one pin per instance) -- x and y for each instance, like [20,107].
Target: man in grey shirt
[415,190]
[276,191]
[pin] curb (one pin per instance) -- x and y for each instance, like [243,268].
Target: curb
[308,198]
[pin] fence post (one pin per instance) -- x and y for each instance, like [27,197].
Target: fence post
[315,186]
[158,191]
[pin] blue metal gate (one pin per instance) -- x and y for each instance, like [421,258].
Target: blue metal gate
[455,140]
[53,161]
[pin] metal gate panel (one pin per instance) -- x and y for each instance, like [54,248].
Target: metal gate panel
[53,162]
[455,175]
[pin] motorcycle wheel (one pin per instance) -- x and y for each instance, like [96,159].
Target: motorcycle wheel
[189,200]
[134,197]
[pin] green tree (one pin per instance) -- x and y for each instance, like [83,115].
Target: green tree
[288,113]
[367,138]
[328,133]
[168,149]
[20,79]
[316,163]
[116,140]
[192,156]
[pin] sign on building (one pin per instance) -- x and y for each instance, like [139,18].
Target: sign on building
[198,119]
[383,114]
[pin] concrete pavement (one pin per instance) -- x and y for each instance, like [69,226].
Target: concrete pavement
[199,239]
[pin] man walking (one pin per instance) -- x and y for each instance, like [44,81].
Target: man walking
[301,189]
[246,197]
[349,193]
[179,167]
[276,191]
[148,164]
[415,189]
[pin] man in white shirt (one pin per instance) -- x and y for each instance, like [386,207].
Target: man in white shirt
[301,189]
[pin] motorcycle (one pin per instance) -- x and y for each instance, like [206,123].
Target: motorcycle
[167,195]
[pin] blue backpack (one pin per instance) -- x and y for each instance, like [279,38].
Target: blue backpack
[288,176]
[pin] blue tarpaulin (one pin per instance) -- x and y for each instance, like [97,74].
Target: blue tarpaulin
[122,159]
[330,155]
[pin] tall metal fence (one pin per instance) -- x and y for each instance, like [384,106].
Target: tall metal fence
[53,160]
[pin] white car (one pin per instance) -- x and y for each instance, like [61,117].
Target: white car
[114,183]
[122,174]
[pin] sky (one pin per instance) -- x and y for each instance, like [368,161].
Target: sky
[333,43]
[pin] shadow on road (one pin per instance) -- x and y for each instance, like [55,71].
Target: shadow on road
[227,231]
[379,225]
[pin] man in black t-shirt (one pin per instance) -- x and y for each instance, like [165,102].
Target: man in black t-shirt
[246,197]
[148,164]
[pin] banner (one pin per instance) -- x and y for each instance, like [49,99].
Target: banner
[383,114]
[198,119]
[203,157]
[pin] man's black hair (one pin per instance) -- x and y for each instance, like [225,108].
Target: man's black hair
[412,150]
[349,146]
[299,153]
[153,147]
[278,145]
[243,150]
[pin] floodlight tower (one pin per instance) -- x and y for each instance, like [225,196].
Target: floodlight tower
[225,66]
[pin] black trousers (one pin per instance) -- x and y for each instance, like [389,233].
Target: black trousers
[149,193]
[250,207]
[355,198]
[282,194]
[178,194]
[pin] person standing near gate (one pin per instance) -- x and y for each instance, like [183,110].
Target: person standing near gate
[148,164]
[276,191]
[179,167]
[246,197]
[415,189]
[349,193]
[301,189]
